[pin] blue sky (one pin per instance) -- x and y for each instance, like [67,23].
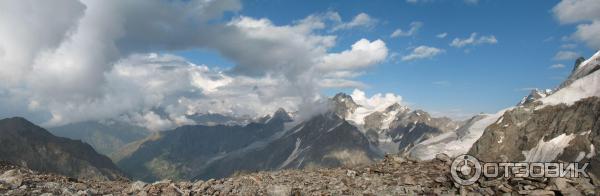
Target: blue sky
[466,80]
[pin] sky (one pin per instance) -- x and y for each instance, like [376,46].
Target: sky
[458,81]
[156,62]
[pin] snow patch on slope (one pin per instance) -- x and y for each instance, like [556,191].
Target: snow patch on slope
[587,86]
[450,143]
[592,152]
[548,151]
[390,117]
[294,153]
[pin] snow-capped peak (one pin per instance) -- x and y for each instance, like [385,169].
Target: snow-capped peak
[534,95]
[388,104]
[584,82]
[592,60]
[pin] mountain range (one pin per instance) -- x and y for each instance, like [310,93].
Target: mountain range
[561,124]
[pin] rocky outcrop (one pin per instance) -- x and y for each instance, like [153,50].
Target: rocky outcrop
[552,133]
[28,145]
[344,105]
[582,68]
[534,95]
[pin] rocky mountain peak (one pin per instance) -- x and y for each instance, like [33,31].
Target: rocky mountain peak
[20,121]
[282,114]
[583,68]
[344,105]
[29,145]
[534,95]
[578,62]
[396,107]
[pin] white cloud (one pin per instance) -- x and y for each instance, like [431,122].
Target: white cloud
[442,35]
[360,20]
[376,102]
[22,39]
[414,28]
[342,83]
[94,61]
[364,53]
[589,34]
[586,13]
[474,39]
[573,11]
[422,52]
[557,66]
[566,55]
[343,74]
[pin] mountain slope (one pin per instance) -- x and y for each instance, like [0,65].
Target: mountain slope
[184,152]
[583,82]
[561,132]
[323,141]
[105,137]
[455,142]
[563,126]
[26,144]
[346,135]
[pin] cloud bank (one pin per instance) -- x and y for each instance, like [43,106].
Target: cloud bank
[584,13]
[111,59]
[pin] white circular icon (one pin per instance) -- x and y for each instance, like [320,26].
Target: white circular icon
[465,169]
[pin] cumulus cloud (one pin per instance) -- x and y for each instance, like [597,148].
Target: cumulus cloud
[363,53]
[585,13]
[21,45]
[414,28]
[95,60]
[360,20]
[474,39]
[589,34]
[573,11]
[422,52]
[376,102]
[566,55]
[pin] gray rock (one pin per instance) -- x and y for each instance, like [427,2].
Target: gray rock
[136,186]
[279,190]
[13,177]
[351,173]
[443,157]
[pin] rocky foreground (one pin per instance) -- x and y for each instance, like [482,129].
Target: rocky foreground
[392,176]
